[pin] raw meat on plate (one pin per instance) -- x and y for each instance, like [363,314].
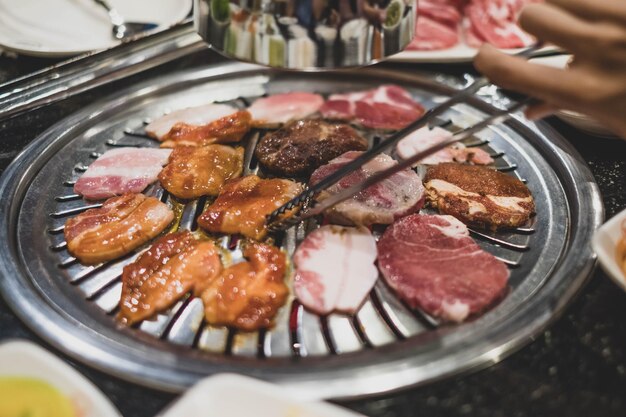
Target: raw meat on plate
[335,269]
[432,264]
[119,171]
[381,203]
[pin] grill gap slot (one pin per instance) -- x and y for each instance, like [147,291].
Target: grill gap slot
[187,323]
[372,327]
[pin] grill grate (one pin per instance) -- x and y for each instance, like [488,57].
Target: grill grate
[383,319]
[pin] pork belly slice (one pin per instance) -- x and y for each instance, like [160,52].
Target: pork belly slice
[117,228]
[432,264]
[387,107]
[247,295]
[433,35]
[119,171]
[424,138]
[335,269]
[381,203]
[478,195]
[279,109]
[174,265]
[244,203]
[300,147]
[202,125]
[196,171]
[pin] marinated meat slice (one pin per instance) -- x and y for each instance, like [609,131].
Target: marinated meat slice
[495,22]
[117,228]
[433,264]
[424,138]
[279,109]
[196,171]
[173,266]
[244,203]
[478,195]
[300,147]
[381,203]
[202,125]
[387,107]
[119,171]
[335,269]
[247,295]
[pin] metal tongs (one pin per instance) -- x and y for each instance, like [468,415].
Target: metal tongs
[303,206]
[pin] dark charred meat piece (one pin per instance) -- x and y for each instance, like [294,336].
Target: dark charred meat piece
[196,171]
[381,203]
[244,203]
[478,195]
[433,264]
[121,225]
[247,295]
[300,147]
[174,265]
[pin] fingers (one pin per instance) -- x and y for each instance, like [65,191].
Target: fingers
[551,24]
[607,10]
[539,111]
[557,87]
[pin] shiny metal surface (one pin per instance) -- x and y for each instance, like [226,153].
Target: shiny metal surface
[384,347]
[306,34]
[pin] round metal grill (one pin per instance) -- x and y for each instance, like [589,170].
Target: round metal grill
[384,346]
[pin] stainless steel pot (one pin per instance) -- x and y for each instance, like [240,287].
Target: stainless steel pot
[306,34]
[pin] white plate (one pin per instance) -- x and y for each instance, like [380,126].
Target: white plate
[26,359]
[604,245]
[458,54]
[230,395]
[67,27]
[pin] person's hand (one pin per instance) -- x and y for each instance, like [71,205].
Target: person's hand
[594,31]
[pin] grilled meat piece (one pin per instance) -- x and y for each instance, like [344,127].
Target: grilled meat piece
[335,269]
[196,171]
[199,126]
[433,264]
[119,171]
[478,195]
[244,203]
[381,203]
[247,295]
[278,109]
[174,265]
[300,147]
[121,225]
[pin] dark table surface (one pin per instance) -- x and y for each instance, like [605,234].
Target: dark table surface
[576,368]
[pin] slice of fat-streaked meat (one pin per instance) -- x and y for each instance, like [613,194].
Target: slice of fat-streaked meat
[424,138]
[196,171]
[279,109]
[433,264]
[441,11]
[432,35]
[174,265]
[120,171]
[202,125]
[478,195]
[388,107]
[495,22]
[244,203]
[335,269]
[247,295]
[117,228]
[381,203]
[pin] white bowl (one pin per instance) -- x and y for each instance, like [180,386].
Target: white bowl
[604,245]
[230,395]
[26,359]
